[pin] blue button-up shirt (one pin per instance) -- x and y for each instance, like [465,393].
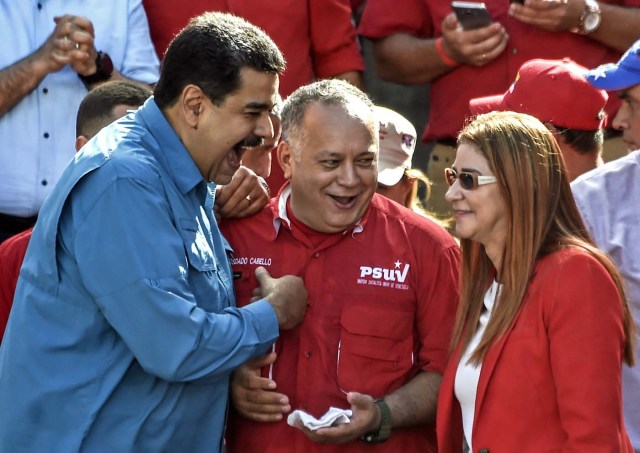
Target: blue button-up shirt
[124,329]
[609,201]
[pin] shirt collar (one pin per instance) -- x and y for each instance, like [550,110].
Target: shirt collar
[280,216]
[173,155]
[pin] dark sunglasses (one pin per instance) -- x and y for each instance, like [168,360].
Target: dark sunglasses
[468,181]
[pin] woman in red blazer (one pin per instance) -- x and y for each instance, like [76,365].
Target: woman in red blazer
[543,325]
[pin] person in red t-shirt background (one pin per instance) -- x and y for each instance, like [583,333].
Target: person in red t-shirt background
[316,37]
[421,41]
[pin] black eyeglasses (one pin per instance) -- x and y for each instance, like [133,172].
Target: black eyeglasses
[468,181]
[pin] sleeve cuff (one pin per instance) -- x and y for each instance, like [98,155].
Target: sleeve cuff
[265,320]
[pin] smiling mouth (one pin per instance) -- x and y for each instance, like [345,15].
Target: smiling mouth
[344,202]
[248,142]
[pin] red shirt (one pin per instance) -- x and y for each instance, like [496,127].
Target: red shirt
[382,299]
[451,92]
[12,253]
[316,37]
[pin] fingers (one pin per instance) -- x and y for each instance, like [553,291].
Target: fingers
[250,205]
[262,275]
[253,395]
[488,51]
[360,401]
[259,404]
[263,413]
[553,15]
[265,281]
[256,294]
[361,422]
[473,47]
[243,196]
[338,434]
[72,42]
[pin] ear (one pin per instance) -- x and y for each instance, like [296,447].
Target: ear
[285,156]
[555,132]
[192,103]
[80,141]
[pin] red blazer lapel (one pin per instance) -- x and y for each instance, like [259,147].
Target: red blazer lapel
[489,364]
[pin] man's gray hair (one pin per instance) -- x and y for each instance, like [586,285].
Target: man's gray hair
[327,92]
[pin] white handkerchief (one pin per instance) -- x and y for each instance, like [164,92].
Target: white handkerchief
[333,416]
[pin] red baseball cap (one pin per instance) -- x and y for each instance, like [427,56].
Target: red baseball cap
[554,91]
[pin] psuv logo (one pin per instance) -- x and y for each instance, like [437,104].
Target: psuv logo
[388,277]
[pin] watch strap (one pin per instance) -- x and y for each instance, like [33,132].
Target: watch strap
[104,70]
[384,432]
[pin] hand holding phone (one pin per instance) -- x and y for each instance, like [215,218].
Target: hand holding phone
[471,15]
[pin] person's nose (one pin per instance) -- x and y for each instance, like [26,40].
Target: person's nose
[621,120]
[348,175]
[264,126]
[453,193]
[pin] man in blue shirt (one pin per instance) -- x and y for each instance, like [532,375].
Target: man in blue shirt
[124,328]
[608,198]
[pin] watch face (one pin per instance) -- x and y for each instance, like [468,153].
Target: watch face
[591,22]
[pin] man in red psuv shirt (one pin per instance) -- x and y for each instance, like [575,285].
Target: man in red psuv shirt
[382,285]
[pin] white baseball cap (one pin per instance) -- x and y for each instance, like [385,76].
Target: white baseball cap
[397,143]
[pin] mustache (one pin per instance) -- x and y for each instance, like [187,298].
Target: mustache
[252,142]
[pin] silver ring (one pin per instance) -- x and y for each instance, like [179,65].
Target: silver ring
[249,198]
[77,46]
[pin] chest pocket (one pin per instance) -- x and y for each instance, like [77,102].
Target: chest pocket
[203,268]
[376,349]
[198,250]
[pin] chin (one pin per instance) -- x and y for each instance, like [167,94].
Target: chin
[223,177]
[341,224]
[462,233]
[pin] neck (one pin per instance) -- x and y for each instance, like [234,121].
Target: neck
[495,252]
[577,164]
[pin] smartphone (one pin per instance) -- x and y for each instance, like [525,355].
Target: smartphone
[471,15]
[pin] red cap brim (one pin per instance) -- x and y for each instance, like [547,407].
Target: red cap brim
[485,104]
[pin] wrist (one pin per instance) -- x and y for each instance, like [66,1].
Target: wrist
[41,64]
[444,56]
[383,423]
[103,72]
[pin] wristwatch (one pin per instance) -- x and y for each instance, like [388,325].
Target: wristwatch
[104,70]
[385,427]
[590,18]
